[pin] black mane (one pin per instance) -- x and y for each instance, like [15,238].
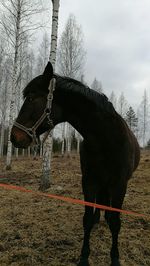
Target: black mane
[100,100]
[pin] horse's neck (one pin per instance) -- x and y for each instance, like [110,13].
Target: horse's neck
[77,112]
[82,108]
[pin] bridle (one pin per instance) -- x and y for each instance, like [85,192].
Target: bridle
[31,131]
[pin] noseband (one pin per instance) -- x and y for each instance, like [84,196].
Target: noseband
[46,114]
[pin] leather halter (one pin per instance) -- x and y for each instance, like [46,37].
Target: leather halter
[31,131]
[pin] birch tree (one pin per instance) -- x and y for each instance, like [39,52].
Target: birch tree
[144,117]
[29,70]
[4,85]
[71,52]
[2,58]
[96,85]
[47,148]
[43,53]
[63,140]
[4,101]
[69,130]
[148,144]
[122,105]
[71,59]
[113,99]
[16,23]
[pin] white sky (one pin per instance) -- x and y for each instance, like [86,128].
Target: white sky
[117,41]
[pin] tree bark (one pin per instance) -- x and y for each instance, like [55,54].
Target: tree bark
[63,139]
[2,140]
[13,90]
[47,147]
[68,148]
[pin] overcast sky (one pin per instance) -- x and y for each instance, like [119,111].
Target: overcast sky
[117,41]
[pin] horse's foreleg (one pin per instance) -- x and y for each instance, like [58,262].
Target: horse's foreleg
[88,221]
[115,223]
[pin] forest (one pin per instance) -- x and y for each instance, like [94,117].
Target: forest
[38,230]
[21,61]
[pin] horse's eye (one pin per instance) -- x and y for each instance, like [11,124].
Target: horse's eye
[30,99]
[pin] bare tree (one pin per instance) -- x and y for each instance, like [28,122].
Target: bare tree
[2,58]
[47,148]
[113,99]
[71,59]
[69,131]
[43,54]
[122,105]
[96,85]
[4,101]
[63,139]
[143,115]
[4,86]
[29,70]
[71,53]
[16,24]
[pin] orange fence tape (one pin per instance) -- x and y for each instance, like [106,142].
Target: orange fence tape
[71,200]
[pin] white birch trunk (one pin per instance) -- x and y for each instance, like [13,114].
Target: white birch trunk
[78,142]
[23,152]
[2,140]
[41,151]
[68,148]
[16,152]
[11,114]
[34,153]
[47,148]
[29,152]
[13,89]
[63,139]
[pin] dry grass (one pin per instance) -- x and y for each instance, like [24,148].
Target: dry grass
[39,231]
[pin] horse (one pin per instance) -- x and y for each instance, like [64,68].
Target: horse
[109,152]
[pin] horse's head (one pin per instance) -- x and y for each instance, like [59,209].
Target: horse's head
[35,116]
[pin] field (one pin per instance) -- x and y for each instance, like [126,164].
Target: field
[37,231]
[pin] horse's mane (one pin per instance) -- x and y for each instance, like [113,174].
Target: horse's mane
[67,84]
[72,85]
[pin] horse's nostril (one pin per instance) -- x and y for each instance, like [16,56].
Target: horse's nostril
[19,138]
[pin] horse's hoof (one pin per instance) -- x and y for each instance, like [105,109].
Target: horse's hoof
[115,262]
[83,262]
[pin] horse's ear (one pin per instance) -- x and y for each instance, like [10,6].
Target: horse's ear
[48,72]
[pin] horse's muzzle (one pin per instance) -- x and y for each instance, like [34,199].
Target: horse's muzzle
[19,138]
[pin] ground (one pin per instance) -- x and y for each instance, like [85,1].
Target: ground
[39,231]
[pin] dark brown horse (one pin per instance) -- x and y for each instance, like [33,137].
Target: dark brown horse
[109,151]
